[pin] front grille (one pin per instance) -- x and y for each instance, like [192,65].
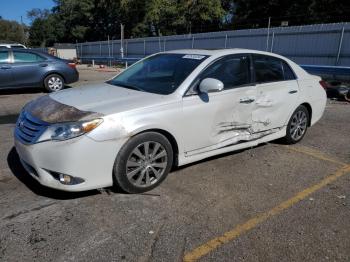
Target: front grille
[29,128]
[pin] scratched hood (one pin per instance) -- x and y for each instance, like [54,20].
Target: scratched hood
[106,99]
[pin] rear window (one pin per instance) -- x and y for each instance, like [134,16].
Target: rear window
[21,57]
[17,47]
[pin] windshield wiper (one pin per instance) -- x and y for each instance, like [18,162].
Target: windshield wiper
[126,85]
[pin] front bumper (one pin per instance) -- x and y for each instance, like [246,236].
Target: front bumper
[81,157]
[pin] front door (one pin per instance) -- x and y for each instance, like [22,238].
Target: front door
[220,119]
[5,69]
[28,69]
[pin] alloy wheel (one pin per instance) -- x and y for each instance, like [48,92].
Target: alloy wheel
[55,83]
[298,125]
[146,164]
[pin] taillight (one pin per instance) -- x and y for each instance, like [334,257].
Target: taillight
[72,65]
[324,84]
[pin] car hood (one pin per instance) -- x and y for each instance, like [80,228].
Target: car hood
[107,99]
[89,102]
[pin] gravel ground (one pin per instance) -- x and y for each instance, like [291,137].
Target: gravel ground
[195,204]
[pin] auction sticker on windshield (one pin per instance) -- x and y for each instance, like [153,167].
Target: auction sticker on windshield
[196,57]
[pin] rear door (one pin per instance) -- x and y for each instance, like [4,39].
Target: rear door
[28,69]
[5,69]
[277,92]
[220,119]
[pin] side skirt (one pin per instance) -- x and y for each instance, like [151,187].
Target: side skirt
[183,160]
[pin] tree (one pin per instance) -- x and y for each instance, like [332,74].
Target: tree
[12,31]
[251,13]
[74,17]
[93,20]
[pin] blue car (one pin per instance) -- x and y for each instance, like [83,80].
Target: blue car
[29,68]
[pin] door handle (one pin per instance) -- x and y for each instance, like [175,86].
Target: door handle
[43,65]
[5,67]
[246,100]
[293,91]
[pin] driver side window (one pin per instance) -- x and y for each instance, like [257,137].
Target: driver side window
[232,71]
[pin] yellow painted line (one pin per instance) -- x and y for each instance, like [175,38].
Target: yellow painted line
[213,244]
[316,154]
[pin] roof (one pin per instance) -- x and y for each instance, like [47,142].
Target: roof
[218,52]
[222,52]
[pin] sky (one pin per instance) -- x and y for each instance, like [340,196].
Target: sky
[14,9]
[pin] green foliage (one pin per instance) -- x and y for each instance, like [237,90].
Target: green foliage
[251,13]
[93,20]
[12,31]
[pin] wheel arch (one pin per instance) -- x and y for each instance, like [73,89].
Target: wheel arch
[52,73]
[171,139]
[309,109]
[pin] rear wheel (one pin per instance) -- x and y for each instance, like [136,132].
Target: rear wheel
[54,83]
[143,162]
[297,125]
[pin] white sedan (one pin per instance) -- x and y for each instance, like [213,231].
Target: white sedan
[168,109]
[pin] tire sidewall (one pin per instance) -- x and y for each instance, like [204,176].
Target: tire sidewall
[288,137]
[119,170]
[46,82]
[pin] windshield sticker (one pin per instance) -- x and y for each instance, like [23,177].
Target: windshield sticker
[196,57]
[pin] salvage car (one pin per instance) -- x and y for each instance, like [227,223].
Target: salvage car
[21,68]
[169,109]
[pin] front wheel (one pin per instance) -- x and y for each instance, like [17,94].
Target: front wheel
[143,162]
[297,125]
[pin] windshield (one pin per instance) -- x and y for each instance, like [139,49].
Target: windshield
[160,74]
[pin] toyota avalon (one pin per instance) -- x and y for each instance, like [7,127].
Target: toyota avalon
[169,109]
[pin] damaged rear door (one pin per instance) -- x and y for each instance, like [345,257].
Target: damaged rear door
[215,120]
[277,93]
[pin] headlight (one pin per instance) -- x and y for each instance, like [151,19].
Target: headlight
[64,131]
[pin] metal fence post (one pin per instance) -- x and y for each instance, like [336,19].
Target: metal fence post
[272,41]
[160,45]
[268,34]
[109,53]
[225,41]
[164,44]
[144,47]
[340,45]
[192,42]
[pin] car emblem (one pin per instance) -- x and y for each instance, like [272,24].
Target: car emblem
[21,124]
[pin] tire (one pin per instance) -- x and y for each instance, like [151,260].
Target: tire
[53,83]
[297,125]
[137,172]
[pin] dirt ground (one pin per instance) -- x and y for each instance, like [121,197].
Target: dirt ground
[269,203]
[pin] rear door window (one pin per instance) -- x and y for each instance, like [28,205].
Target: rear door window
[288,72]
[4,56]
[267,69]
[21,57]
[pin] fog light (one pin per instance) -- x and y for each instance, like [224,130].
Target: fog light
[65,179]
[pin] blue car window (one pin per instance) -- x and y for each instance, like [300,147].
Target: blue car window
[21,57]
[3,56]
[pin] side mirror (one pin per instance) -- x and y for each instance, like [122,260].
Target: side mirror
[211,85]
